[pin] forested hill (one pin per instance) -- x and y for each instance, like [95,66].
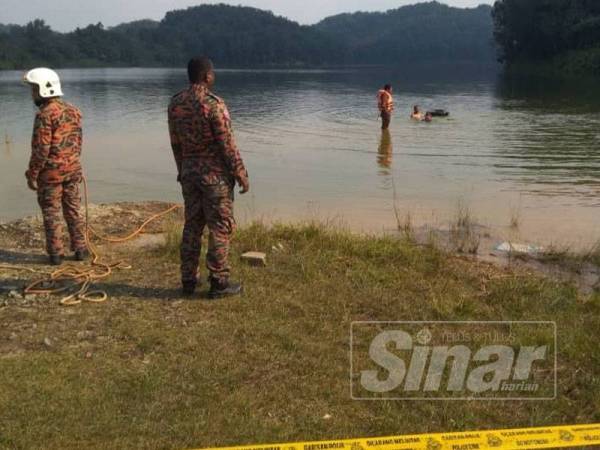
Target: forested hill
[565,34]
[243,36]
[421,32]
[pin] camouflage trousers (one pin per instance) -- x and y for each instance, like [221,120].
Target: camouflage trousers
[206,206]
[52,197]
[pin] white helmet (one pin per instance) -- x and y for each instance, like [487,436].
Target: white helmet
[47,80]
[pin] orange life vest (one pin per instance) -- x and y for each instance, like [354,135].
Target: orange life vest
[385,101]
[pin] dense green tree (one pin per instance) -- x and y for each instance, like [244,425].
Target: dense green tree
[421,32]
[534,30]
[243,36]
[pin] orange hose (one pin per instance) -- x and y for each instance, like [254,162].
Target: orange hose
[78,276]
[136,232]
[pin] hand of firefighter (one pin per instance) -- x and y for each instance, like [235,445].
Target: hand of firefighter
[244,183]
[32,184]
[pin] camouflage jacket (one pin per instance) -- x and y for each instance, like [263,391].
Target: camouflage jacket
[202,138]
[56,143]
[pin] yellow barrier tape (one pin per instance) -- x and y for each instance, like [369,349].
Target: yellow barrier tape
[509,439]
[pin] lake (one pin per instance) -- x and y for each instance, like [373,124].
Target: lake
[525,147]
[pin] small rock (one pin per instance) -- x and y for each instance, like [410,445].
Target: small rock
[14,294]
[12,336]
[88,355]
[255,258]
[47,342]
[327,417]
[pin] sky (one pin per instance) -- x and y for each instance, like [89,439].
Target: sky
[66,15]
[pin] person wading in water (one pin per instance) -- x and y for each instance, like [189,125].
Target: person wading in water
[385,103]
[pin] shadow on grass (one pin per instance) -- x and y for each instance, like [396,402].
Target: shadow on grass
[145,292]
[19,258]
[121,291]
[12,284]
[114,290]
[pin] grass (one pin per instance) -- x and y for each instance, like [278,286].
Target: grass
[464,237]
[172,234]
[569,259]
[405,227]
[150,370]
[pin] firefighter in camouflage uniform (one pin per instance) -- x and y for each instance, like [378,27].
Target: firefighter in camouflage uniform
[208,166]
[55,168]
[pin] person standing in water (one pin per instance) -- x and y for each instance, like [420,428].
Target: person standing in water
[385,103]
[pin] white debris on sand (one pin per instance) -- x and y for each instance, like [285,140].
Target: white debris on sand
[512,247]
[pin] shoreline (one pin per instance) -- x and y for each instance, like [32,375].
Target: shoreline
[464,238]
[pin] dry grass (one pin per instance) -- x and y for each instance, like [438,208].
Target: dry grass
[150,370]
[464,237]
[405,227]
[568,259]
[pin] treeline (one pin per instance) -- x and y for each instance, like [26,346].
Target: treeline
[421,32]
[566,32]
[243,36]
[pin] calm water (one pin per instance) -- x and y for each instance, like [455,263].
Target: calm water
[313,148]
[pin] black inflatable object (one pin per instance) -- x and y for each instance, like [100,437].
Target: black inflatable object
[439,113]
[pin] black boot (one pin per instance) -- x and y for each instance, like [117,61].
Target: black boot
[81,255]
[188,288]
[56,260]
[221,289]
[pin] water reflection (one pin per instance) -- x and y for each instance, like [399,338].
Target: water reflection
[384,152]
[547,94]
[548,136]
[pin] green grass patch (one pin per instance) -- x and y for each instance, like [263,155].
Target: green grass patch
[150,370]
